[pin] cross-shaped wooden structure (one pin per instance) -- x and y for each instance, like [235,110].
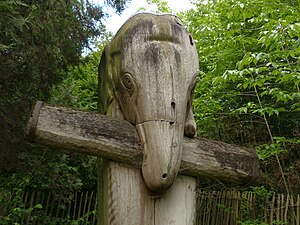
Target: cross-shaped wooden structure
[147,168]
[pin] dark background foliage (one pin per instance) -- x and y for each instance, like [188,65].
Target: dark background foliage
[249,92]
[41,43]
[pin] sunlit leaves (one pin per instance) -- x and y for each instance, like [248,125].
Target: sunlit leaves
[249,91]
[266,151]
[162,6]
[248,50]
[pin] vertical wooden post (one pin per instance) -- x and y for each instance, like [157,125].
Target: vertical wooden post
[126,200]
[146,76]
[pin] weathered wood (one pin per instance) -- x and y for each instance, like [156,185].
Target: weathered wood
[150,69]
[178,205]
[118,140]
[129,200]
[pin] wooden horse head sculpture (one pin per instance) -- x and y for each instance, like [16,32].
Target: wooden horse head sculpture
[148,72]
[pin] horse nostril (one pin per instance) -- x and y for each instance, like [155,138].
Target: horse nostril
[173,105]
[164,175]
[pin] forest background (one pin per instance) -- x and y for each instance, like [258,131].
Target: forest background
[248,92]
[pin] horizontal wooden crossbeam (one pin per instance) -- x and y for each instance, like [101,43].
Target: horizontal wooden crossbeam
[93,134]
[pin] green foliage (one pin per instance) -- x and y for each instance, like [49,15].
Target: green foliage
[14,203]
[253,222]
[162,6]
[119,5]
[39,42]
[236,54]
[17,211]
[51,220]
[54,172]
[252,212]
[249,88]
[80,88]
[51,171]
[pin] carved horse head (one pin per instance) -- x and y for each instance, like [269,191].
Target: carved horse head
[149,71]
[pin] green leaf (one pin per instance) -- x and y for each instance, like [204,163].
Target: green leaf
[247,59]
[38,206]
[242,110]
[266,151]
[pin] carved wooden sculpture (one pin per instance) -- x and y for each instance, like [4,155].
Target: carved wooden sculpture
[146,76]
[149,71]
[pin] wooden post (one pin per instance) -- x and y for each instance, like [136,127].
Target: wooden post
[147,168]
[146,76]
[118,144]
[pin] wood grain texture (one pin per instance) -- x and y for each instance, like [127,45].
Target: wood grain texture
[128,201]
[150,69]
[177,206]
[117,140]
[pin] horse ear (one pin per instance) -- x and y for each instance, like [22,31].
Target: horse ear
[102,64]
[190,126]
[102,77]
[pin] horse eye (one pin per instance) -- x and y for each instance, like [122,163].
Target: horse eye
[127,81]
